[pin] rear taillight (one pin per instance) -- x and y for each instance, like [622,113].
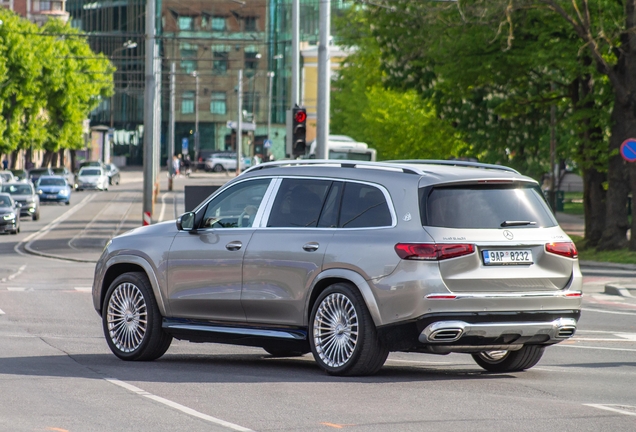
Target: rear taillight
[566,249]
[432,251]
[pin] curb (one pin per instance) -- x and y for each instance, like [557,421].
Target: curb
[607,265]
[618,290]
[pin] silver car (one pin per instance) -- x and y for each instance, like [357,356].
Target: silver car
[350,260]
[91,177]
[24,193]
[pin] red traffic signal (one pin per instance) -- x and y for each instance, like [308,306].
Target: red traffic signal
[300,116]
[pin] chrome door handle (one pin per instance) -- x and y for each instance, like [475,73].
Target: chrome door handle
[234,245]
[311,246]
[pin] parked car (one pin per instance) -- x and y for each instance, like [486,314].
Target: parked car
[66,173]
[219,162]
[35,173]
[6,177]
[113,174]
[54,188]
[91,178]
[20,175]
[9,214]
[350,260]
[86,164]
[24,193]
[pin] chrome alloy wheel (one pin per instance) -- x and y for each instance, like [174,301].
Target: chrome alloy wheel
[335,330]
[127,317]
[493,356]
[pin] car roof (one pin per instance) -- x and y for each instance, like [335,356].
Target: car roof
[5,194]
[425,172]
[52,177]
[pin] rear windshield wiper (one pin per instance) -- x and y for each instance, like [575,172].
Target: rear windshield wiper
[517,223]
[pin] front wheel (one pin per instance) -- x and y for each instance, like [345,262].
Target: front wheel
[343,337]
[132,321]
[218,168]
[510,361]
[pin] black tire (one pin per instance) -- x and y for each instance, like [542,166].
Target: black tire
[284,353]
[368,353]
[218,168]
[512,361]
[36,215]
[67,203]
[154,341]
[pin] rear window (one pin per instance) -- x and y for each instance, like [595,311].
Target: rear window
[485,206]
[90,172]
[52,182]
[17,189]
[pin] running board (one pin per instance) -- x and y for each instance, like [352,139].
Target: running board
[182,327]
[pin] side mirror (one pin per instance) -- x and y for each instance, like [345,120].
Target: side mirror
[185,222]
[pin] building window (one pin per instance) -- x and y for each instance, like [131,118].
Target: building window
[218,23]
[251,102]
[218,103]
[189,66]
[249,24]
[45,5]
[186,23]
[220,58]
[251,60]
[187,102]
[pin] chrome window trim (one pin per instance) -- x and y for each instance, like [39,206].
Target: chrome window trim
[384,191]
[259,213]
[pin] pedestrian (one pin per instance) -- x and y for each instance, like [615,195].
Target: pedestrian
[186,166]
[175,165]
[5,163]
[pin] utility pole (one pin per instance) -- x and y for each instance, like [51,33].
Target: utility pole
[149,115]
[295,52]
[171,126]
[239,123]
[324,80]
[196,117]
[552,193]
[270,75]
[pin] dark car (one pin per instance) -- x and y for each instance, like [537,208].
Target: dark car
[66,173]
[113,174]
[54,188]
[20,175]
[85,164]
[36,173]
[9,214]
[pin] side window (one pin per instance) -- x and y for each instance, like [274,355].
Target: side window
[331,209]
[298,203]
[235,207]
[364,206]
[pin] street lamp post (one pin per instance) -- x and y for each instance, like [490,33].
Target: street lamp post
[195,74]
[270,75]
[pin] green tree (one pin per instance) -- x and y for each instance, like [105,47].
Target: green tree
[398,123]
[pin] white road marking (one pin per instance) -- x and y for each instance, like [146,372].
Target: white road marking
[16,289]
[602,340]
[84,289]
[182,408]
[163,206]
[14,275]
[609,312]
[1,312]
[614,408]
[596,348]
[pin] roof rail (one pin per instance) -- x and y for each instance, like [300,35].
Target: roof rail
[336,162]
[456,163]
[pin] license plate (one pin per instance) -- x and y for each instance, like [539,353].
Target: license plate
[50,196]
[503,257]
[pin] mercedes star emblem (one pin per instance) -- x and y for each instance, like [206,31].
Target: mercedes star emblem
[507,234]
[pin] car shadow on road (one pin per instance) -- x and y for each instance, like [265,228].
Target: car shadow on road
[225,368]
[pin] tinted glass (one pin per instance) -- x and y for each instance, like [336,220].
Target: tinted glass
[349,156]
[485,207]
[331,209]
[364,206]
[43,171]
[298,203]
[59,171]
[236,206]
[5,201]
[6,177]
[17,189]
[90,172]
[51,182]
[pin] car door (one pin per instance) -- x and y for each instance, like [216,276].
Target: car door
[205,265]
[286,254]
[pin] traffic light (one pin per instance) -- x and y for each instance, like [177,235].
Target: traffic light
[299,131]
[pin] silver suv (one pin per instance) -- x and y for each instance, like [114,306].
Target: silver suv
[350,261]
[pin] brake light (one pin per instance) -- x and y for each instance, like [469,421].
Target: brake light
[566,249]
[432,251]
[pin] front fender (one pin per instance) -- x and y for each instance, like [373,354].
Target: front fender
[98,284]
[358,281]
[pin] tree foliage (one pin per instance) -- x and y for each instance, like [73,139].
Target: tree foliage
[50,80]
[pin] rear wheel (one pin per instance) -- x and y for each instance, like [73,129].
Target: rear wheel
[36,215]
[510,361]
[218,168]
[132,321]
[343,337]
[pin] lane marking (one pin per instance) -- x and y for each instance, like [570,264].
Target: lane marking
[596,348]
[16,289]
[84,289]
[14,275]
[614,408]
[609,312]
[177,406]
[1,312]
[56,429]
[333,425]
[90,224]
[163,206]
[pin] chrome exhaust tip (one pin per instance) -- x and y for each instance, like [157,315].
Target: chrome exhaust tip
[444,331]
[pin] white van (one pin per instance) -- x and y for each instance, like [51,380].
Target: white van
[344,147]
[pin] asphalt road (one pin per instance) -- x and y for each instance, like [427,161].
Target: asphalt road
[57,373]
